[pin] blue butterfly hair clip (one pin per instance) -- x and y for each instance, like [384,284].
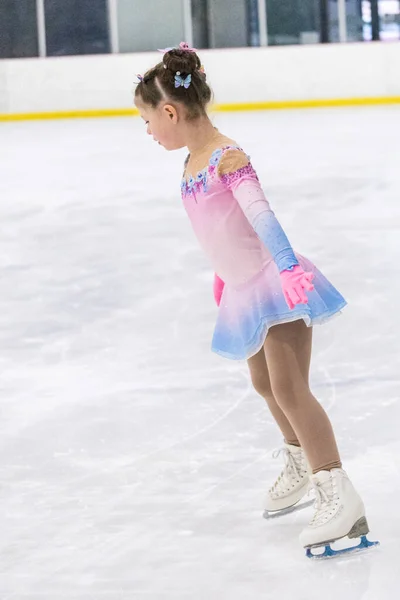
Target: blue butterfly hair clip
[181,82]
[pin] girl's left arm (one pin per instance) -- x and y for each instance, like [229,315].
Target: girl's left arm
[237,173]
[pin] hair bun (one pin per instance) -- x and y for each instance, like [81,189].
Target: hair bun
[180,59]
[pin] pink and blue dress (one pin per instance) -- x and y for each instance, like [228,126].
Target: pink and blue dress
[248,249]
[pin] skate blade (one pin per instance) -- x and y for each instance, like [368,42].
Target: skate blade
[329,552]
[274,514]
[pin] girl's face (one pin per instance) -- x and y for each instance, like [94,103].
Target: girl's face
[163,124]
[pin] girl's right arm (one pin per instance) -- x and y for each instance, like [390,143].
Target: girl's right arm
[218,289]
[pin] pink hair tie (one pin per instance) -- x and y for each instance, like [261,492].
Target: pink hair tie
[182,46]
[185,46]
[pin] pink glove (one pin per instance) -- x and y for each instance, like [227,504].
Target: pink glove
[218,289]
[294,282]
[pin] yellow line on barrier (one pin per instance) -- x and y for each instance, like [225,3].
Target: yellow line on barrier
[231,107]
[319,103]
[70,114]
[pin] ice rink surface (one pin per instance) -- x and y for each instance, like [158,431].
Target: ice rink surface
[133,461]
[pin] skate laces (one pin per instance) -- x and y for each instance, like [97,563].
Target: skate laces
[325,496]
[292,470]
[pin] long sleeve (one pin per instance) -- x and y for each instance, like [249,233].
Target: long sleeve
[237,173]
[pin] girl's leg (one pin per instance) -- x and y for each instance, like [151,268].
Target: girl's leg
[287,350]
[260,379]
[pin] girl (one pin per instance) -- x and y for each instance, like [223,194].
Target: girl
[267,303]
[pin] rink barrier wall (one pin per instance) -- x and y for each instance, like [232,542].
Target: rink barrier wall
[280,77]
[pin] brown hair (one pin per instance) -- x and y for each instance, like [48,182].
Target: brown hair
[159,83]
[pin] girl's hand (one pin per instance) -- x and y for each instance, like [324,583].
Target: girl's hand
[218,289]
[294,282]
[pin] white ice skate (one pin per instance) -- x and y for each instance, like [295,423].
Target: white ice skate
[339,512]
[291,486]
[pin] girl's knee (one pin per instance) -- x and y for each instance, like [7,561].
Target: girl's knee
[261,384]
[286,392]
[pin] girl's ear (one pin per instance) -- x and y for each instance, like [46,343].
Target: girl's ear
[171,112]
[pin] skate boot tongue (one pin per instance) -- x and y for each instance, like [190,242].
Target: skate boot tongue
[325,491]
[328,481]
[293,449]
[321,477]
[293,464]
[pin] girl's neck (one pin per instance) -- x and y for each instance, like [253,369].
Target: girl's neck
[201,134]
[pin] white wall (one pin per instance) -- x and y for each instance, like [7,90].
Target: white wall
[236,75]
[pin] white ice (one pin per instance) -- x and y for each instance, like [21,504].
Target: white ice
[133,461]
